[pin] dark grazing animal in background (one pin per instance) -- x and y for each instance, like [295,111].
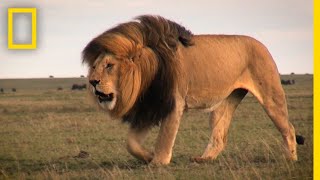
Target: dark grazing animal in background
[78,86]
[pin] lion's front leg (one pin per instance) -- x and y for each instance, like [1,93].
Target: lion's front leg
[167,135]
[136,136]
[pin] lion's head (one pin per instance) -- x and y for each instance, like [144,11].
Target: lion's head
[103,77]
[134,68]
[116,82]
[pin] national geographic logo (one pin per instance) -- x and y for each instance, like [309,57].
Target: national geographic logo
[22,28]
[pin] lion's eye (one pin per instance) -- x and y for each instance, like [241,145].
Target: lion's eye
[109,66]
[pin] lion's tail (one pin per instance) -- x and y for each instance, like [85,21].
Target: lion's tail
[300,139]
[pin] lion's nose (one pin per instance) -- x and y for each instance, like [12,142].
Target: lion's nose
[94,82]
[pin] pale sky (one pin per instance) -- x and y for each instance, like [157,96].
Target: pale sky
[65,27]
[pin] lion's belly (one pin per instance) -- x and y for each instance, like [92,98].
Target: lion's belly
[206,106]
[204,99]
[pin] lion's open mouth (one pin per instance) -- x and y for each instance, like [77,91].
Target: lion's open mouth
[104,97]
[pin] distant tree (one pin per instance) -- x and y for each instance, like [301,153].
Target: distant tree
[51,76]
[14,90]
[82,76]
[292,73]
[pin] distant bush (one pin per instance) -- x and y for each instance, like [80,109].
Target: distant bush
[59,88]
[14,90]
[82,76]
[292,73]
[1,90]
[51,76]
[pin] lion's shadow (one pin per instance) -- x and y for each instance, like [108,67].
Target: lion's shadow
[123,164]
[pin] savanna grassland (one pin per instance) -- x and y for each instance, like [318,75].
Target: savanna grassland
[51,134]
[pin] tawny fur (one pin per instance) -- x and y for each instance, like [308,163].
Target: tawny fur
[160,68]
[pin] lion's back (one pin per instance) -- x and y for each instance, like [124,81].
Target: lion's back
[215,63]
[215,58]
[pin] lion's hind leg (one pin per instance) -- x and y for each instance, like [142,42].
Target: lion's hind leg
[136,137]
[263,82]
[219,122]
[272,97]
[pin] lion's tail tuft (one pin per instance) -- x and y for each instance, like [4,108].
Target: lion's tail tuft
[300,139]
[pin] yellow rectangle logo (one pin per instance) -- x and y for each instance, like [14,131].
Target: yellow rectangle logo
[33,12]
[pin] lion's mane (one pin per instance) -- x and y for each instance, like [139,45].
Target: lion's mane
[151,42]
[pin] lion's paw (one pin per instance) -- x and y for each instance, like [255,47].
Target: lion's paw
[199,159]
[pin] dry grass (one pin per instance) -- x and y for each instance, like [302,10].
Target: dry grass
[43,130]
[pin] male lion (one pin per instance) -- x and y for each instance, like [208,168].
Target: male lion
[146,72]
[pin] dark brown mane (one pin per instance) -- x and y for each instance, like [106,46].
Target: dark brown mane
[126,40]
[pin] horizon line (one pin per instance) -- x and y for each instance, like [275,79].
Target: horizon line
[65,77]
